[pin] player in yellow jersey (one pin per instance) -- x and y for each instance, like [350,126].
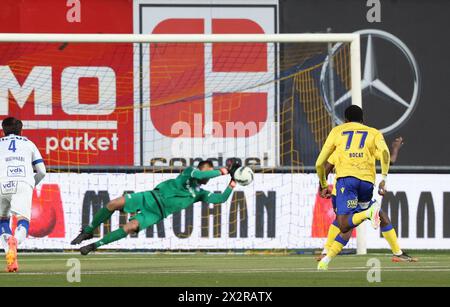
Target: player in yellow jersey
[356,146]
[387,229]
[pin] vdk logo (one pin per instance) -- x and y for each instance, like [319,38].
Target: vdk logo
[16,171]
[9,187]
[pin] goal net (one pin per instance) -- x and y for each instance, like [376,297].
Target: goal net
[115,114]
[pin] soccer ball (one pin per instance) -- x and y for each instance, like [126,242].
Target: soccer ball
[243,175]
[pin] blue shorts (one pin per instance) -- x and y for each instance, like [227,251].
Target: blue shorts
[333,202]
[350,193]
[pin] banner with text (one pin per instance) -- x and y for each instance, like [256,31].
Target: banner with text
[277,211]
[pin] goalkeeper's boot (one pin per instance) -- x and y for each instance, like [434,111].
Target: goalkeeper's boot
[87,249]
[82,237]
[322,266]
[404,257]
[374,214]
[11,255]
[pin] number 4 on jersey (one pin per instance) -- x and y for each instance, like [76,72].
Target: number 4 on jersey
[12,146]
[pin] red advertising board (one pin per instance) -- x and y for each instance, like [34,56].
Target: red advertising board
[76,100]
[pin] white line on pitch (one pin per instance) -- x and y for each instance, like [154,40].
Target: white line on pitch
[156,272]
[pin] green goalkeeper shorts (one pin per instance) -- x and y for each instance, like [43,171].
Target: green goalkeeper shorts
[146,209]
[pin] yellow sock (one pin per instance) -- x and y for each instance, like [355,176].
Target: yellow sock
[391,238]
[358,218]
[333,231]
[335,249]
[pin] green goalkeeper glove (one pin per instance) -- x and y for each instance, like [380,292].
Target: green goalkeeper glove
[232,165]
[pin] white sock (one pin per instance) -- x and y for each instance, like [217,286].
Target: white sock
[325,251]
[4,241]
[20,234]
[326,259]
[370,205]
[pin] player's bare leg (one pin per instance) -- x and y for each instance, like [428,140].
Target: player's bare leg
[390,235]
[129,228]
[348,222]
[343,223]
[116,204]
[101,216]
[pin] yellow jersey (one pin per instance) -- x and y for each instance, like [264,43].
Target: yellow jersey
[357,147]
[332,160]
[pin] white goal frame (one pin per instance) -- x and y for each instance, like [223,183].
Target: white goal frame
[352,38]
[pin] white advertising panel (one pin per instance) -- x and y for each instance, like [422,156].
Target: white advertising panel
[207,100]
[277,211]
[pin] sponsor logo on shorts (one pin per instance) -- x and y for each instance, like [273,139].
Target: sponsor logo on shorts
[352,203]
[9,187]
[16,171]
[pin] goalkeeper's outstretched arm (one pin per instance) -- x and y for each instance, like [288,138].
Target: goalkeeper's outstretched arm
[200,175]
[218,198]
[204,174]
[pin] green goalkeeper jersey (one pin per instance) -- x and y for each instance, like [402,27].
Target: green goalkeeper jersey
[177,194]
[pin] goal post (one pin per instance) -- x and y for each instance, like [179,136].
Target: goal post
[293,63]
[352,38]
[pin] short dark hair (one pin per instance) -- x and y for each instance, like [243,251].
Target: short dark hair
[12,125]
[205,163]
[354,114]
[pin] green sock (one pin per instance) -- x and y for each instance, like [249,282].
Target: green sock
[101,216]
[111,237]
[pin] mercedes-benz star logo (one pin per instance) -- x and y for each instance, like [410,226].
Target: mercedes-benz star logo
[371,84]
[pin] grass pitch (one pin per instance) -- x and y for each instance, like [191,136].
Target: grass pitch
[197,270]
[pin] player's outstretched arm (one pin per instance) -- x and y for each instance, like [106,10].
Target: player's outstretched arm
[385,160]
[325,153]
[40,172]
[395,148]
[38,164]
[326,192]
[200,175]
[328,168]
[232,166]
[218,198]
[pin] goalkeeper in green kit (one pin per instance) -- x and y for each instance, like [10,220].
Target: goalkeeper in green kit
[169,196]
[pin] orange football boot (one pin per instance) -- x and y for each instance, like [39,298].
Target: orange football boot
[11,256]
